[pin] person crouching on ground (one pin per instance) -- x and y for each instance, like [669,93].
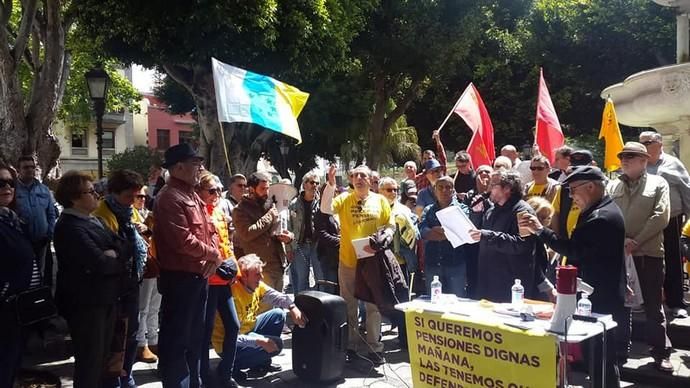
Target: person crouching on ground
[259,338]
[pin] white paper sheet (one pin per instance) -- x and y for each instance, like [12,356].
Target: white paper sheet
[456,226]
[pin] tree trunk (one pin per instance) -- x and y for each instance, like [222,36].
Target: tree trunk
[25,121]
[382,120]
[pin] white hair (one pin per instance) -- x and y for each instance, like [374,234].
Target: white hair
[387,181]
[250,261]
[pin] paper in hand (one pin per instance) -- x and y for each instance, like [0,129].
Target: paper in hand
[456,226]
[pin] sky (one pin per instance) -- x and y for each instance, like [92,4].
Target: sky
[143,79]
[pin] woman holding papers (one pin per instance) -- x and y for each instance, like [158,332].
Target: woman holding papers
[442,259]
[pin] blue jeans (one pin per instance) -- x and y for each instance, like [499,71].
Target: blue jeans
[130,307]
[220,299]
[182,327]
[305,255]
[269,324]
[453,277]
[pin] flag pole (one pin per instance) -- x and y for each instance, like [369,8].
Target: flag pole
[453,108]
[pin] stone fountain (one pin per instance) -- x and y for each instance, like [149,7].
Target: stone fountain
[660,98]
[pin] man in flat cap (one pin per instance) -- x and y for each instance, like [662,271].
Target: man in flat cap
[187,252]
[644,201]
[596,249]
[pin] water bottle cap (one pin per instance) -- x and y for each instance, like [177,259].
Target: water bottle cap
[518,281]
[585,295]
[435,277]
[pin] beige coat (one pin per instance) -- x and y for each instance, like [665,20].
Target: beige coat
[646,208]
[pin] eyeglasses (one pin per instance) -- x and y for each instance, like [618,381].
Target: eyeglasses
[648,142]
[391,190]
[214,191]
[537,168]
[312,182]
[444,187]
[7,182]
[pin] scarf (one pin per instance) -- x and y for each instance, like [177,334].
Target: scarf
[123,214]
[9,217]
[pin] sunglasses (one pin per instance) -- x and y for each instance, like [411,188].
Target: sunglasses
[648,143]
[7,182]
[214,191]
[312,182]
[537,168]
[391,190]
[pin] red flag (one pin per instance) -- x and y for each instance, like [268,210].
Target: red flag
[471,108]
[549,135]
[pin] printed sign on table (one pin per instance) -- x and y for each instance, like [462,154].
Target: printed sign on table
[449,351]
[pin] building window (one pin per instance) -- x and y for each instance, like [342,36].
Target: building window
[79,140]
[186,137]
[163,136]
[108,139]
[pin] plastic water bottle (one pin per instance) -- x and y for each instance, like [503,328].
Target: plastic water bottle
[584,305]
[517,294]
[436,290]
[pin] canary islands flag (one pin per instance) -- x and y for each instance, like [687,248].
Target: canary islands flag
[243,96]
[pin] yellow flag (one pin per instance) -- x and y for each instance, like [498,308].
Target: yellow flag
[611,134]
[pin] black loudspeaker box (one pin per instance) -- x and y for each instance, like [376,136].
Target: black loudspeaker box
[318,349]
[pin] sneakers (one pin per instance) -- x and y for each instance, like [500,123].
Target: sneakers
[144,354]
[663,365]
[679,312]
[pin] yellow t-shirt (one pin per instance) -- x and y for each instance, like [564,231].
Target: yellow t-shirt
[536,190]
[573,214]
[359,219]
[248,307]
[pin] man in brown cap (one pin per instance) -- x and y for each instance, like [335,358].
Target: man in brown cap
[644,202]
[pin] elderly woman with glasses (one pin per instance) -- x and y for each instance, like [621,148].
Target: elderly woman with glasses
[92,263]
[219,294]
[19,273]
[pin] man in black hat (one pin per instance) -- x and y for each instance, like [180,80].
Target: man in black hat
[187,253]
[596,248]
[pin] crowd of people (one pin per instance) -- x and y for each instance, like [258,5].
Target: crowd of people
[156,269]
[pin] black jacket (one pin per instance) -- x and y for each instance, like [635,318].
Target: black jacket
[503,255]
[328,238]
[85,275]
[18,259]
[597,249]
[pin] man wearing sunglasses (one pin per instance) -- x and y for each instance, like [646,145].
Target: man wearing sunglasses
[672,170]
[302,251]
[644,201]
[542,185]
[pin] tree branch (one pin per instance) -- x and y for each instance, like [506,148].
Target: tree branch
[25,27]
[6,10]
[182,75]
[402,106]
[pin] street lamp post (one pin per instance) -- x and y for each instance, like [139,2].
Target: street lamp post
[98,81]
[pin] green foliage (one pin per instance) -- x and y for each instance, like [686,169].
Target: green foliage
[139,159]
[583,46]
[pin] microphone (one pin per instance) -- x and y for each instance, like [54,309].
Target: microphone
[479,198]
